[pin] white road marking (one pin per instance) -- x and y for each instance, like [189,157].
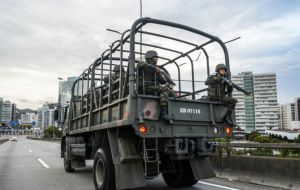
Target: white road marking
[30,150]
[215,185]
[43,163]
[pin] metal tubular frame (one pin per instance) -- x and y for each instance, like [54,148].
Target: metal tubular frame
[129,37]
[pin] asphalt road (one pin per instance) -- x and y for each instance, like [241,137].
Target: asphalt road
[29,164]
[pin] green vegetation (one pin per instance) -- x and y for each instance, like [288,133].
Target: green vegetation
[48,133]
[256,137]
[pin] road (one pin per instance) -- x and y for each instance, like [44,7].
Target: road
[29,164]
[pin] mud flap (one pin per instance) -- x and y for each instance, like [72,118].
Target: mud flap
[128,173]
[202,168]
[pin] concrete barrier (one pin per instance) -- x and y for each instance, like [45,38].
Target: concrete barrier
[3,141]
[270,171]
[45,139]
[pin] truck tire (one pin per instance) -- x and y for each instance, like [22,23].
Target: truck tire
[104,170]
[182,176]
[67,163]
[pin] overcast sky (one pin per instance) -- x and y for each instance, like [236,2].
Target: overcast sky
[43,40]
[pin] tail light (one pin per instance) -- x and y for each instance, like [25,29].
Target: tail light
[142,129]
[228,131]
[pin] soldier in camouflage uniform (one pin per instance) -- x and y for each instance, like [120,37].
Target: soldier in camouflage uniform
[117,72]
[220,91]
[115,82]
[151,81]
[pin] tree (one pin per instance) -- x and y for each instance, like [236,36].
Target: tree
[48,133]
[262,139]
[253,135]
[297,140]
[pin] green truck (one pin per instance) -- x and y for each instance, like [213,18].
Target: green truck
[109,120]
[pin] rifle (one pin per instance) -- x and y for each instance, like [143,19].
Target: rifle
[167,77]
[225,80]
[190,93]
[161,73]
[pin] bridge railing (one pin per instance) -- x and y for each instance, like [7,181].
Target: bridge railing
[260,145]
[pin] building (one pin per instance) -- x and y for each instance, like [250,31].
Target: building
[64,96]
[6,112]
[286,116]
[297,109]
[45,116]
[28,116]
[259,111]
[1,102]
[289,135]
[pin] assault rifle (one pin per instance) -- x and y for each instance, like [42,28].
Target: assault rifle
[162,74]
[185,94]
[225,80]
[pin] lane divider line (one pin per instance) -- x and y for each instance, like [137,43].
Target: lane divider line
[215,185]
[30,150]
[43,163]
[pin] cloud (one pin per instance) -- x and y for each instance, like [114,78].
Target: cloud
[44,40]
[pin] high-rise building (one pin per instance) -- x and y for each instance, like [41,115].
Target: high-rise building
[297,109]
[45,116]
[286,116]
[64,96]
[1,102]
[259,111]
[7,112]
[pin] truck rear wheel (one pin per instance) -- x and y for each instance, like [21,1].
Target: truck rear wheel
[67,163]
[181,176]
[103,170]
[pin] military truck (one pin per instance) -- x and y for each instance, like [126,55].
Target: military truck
[109,120]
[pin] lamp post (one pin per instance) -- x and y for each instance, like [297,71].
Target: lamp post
[141,14]
[115,31]
[58,106]
[232,40]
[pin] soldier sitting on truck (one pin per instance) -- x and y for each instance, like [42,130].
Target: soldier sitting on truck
[116,74]
[151,77]
[115,80]
[220,90]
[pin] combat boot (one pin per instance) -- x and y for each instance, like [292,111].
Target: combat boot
[232,118]
[227,118]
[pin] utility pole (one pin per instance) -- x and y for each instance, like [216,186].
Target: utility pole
[141,14]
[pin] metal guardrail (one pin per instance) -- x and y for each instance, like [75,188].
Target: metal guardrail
[260,145]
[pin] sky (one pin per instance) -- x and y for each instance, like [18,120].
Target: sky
[41,40]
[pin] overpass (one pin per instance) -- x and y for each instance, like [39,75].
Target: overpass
[37,165]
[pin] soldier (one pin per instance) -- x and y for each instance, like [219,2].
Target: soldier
[219,90]
[115,82]
[151,79]
[117,72]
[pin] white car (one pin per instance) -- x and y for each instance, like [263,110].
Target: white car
[14,139]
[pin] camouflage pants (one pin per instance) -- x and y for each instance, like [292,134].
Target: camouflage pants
[230,103]
[162,91]
[165,93]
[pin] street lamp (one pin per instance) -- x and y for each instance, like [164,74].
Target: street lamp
[115,31]
[141,14]
[232,40]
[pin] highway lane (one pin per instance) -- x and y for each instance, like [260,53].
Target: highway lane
[29,164]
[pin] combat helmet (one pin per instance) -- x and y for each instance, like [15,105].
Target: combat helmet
[221,66]
[116,68]
[151,54]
